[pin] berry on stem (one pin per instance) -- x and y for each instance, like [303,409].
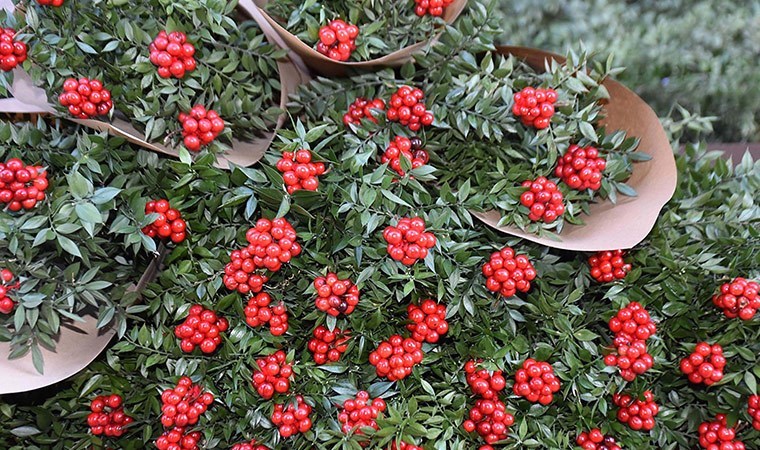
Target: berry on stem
[21,186]
[407,107]
[337,40]
[172,54]
[632,326]
[739,298]
[535,107]
[490,419]
[433,7]
[396,357]
[258,312]
[272,375]
[581,168]
[411,149]
[168,225]
[107,417]
[608,266]
[253,445]
[327,346]
[200,127]
[717,435]
[85,98]
[428,321]
[360,412]
[362,108]
[298,172]
[183,405]
[506,272]
[408,242]
[12,52]
[482,382]
[595,440]
[636,413]
[544,199]
[272,243]
[536,382]
[705,364]
[335,296]
[178,438]
[202,328]
[6,304]
[293,418]
[753,409]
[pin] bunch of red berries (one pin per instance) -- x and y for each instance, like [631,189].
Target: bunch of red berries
[402,146]
[637,414]
[608,266]
[6,304]
[428,321]
[739,298]
[595,440]
[632,327]
[705,364]
[536,382]
[200,127]
[253,445]
[258,312]
[544,200]
[183,405]
[581,168]
[753,409]
[172,54]
[482,382]
[508,273]
[717,435]
[21,186]
[337,40]
[408,241]
[298,172]
[433,7]
[178,439]
[403,446]
[362,108]
[335,296]
[360,412]
[292,419]
[85,98]
[396,357]
[168,224]
[201,328]
[535,107]
[107,416]
[239,274]
[327,346]
[12,52]
[407,107]
[490,419]
[55,3]
[272,243]
[273,375]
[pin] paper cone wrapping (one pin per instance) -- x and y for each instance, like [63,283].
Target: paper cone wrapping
[27,98]
[77,345]
[625,224]
[325,66]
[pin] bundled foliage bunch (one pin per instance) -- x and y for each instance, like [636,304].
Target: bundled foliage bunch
[706,236]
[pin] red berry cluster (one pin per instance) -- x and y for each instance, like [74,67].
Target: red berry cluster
[608,266]
[253,445]
[581,168]
[595,440]
[12,52]
[178,439]
[21,186]
[717,435]
[107,416]
[705,364]
[183,405]
[490,419]
[6,304]
[407,107]
[200,127]
[632,327]
[337,40]
[396,357]
[360,412]
[55,3]
[362,108]
[536,382]
[272,243]
[753,409]
[298,172]
[273,375]
[169,223]
[428,321]
[508,273]
[637,414]
[327,346]
[172,54]
[433,7]
[544,200]
[335,296]
[292,419]
[258,312]
[408,241]
[239,274]
[404,446]
[85,98]
[739,298]
[202,328]
[402,146]
[535,107]
[482,382]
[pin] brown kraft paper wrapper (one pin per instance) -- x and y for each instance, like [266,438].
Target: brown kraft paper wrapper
[323,65]
[625,224]
[77,345]
[27,98]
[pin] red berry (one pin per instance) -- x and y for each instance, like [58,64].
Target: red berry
[172,54]
[85,98]
[200,127]
[337,40]
[408,108]
[739,298]
[607,266]
[581,168]
[543,199]
[168,225]
[201,328]
[12,52]
[535,106]
[638,414]
[508,273]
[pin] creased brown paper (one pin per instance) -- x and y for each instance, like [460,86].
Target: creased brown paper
[77,345]
[323,65]
[625,224]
